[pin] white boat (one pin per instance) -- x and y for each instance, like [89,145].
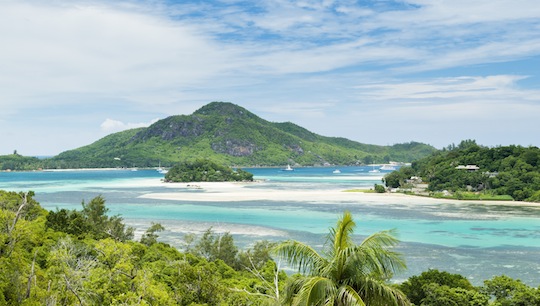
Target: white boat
[388,167]
[373,170]
[337,171]
[288,168]
[163,171]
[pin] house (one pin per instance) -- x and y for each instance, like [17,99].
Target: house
[468,167]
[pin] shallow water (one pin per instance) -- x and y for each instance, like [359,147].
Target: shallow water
[477,241]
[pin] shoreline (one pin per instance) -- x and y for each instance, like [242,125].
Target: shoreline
[236,191]
[74,170]
[85,169]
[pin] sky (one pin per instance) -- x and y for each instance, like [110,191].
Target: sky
[374,71]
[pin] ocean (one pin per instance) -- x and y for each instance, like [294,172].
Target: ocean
[476,241]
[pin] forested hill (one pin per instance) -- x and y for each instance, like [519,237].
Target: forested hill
[505,170]
[229,134]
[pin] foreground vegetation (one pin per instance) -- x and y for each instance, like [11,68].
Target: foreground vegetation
[502,173]
[85,257]
[344,273]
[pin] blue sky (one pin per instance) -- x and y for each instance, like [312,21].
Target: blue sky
[378,72]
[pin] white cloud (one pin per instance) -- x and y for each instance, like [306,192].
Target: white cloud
[494,110]
[469,12]
[315,36]
[294,111]
[87,59]
[112,126]
[50,50]
[464,88]
[119,50]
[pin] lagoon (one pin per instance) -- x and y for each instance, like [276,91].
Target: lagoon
[476,240]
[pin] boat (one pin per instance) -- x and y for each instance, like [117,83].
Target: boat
[288,168]
[373,170]
[388,167]
[337,171]
[163,171]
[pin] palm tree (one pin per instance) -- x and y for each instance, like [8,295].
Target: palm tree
[345,273]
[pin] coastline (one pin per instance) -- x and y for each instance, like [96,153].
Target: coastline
[90,169]
[236,191]
[80,169]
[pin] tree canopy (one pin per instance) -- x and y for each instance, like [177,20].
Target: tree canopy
[203,170]
[506,170]
[345,273]
[72,258]
[92,221]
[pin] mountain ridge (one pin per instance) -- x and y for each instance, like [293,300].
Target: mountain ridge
[230,134]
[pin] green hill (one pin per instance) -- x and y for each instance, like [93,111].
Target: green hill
[471,170]
[229,134]
[18,162]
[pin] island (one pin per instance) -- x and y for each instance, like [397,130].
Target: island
[204,170]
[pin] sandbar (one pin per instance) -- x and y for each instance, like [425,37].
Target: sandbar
[258,191]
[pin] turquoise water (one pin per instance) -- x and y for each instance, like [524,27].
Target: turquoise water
[477,241]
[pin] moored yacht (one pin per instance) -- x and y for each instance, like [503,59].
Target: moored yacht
[387,167]
[288,168]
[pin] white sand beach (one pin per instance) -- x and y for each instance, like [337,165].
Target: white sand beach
[233,192]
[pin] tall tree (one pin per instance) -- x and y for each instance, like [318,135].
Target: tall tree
[92,222]
[150,236]
[213,246]
[344,273]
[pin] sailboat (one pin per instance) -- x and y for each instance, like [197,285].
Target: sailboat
[288,168]
[161,170]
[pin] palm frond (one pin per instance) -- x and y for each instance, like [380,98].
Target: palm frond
[292,287]
[355,267]
[348,296]
[381,239]
[377,262]
[340,266]
[348,274]
[375,292]
[341,234]
[377,255]
[301,256]
[317,291]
